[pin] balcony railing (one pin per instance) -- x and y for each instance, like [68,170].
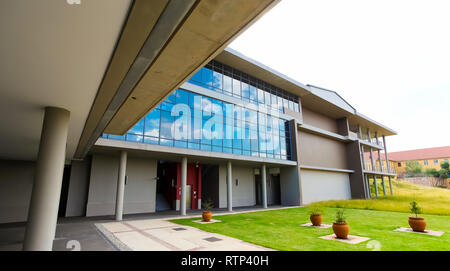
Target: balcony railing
[377,168]
[372,140]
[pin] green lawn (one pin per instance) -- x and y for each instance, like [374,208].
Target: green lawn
[281,230]
[374,218]
[432,200]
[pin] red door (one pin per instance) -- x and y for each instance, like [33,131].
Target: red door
[194,179]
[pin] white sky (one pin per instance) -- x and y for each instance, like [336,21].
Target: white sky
[389,59]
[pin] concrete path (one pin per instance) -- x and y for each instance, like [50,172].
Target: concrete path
[162,235]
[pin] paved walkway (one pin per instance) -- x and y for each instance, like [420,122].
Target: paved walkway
[162,235]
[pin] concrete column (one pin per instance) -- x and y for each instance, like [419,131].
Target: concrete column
[183,186]
[363,158]
[366,177]
[380,161]
[386,158]
[229,187]
[372,160]
[44,204]
[121,185]
[376,185]
[384,185]
[264,186]
[390,185]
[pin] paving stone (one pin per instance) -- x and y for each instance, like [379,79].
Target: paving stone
[212,239]
[426,232]
[204,222]
[352,239]
[323,226]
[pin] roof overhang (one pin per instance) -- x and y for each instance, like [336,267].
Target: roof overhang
[252,67]
[320,100]
[163,43]
[366,122]
[52,54]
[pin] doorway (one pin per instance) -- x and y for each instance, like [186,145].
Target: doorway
[168,186]
[273,190]
[258,190]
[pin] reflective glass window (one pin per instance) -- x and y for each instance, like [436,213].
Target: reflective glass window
[138,128]
[253,94]
[217,80]
[245,91]
[227,85]
[236,88]
[152,123]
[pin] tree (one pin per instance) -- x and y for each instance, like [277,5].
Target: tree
[432,172]
[443,173]
[413,167]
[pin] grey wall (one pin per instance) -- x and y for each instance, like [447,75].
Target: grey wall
[244,193]
[78,187]
[320,121]
[290,186]
[140,192]
[320,151]
[16,183]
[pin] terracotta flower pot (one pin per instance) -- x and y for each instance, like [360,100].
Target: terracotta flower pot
[207,215]
[316,220]
[341,229]
[417,223]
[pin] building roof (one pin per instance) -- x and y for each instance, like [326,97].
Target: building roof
[324,101]
[420,154]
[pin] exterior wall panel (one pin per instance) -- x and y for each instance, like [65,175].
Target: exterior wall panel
[320,121]
[290,186]
[244,192]
[140,191]
[319,151]
[322,185]
[78,188]
[16,183]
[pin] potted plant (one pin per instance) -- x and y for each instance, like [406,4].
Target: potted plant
[207,206]
[415,222]
[315,215]
[340,226]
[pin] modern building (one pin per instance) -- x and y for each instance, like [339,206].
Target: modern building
[143,109]
[429,158]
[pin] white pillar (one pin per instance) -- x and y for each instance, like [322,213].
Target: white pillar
[372,160]
[390,186]
[388,165]
[121,185]
[183,186]
[366,178]
[229,187]
[264,185]
[44,204]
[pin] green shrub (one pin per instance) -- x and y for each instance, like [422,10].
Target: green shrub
[315,211]
[340,217]
[207,205]
[415,208]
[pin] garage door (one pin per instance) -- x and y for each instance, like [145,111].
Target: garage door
[323,185]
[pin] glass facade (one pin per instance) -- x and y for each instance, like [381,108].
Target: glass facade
[229,81]
[189,120]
